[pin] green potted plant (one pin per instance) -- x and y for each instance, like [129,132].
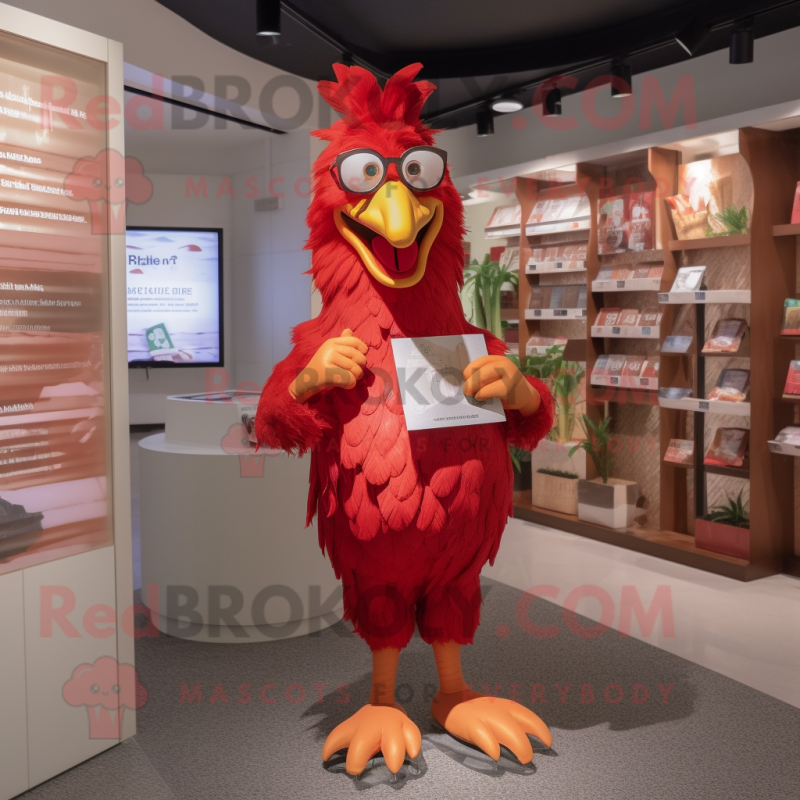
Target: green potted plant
[483,283]
[725,529]
[734,220]
[556,490]
[604,500]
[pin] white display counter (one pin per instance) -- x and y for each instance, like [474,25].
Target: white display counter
[222,530]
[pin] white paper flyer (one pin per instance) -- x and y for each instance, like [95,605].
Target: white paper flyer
[430,372]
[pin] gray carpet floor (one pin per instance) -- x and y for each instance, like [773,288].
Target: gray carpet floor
[712,737]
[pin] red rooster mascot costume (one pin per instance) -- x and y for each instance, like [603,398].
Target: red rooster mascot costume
[408,518]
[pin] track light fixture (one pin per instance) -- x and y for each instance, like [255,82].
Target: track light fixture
[621,87]
[506,104]
[742,42]
[552,102]
[268,18]
[485,122]
[692,35]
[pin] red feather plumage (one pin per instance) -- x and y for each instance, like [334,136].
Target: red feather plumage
[422,509]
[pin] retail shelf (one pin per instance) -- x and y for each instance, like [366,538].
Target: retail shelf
[565,226]
[734,240]
[678,547]
[730,472]
[785,230]
[708,297]
[626,331]
[706,406]
[628,285]
[625,382]
[555,313]
[550,267]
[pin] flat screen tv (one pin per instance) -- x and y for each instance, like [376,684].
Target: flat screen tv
[174,297]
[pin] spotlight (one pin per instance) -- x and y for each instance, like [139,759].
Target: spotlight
[506,104]
[485,122]
[742,42]
[692,36]
[268,18]
[552,103]
[622,86]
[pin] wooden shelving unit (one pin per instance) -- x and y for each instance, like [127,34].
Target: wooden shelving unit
[735,240]
[773,159]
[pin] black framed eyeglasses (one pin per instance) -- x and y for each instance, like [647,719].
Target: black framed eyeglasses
[362,171]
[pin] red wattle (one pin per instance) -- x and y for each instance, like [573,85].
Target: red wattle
[395,260]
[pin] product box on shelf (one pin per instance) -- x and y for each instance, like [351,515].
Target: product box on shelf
[612,231]
[732,386]
[624,279]
[728,448]
[786,442]
[680,451]
[726,337]
[790,325]
[792,387]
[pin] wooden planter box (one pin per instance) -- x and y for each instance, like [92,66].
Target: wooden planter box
[612,504]
[554,493]
[719,538]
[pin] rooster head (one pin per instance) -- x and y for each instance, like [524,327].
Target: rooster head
[381,189]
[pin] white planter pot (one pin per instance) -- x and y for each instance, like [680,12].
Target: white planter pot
[611,504]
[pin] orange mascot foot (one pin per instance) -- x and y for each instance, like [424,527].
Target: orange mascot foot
[375,729]
[488,722]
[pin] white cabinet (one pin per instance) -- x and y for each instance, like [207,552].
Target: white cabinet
[13,731]
[59,598]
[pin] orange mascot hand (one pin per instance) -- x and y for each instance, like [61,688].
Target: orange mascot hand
[498,376]
[339,362]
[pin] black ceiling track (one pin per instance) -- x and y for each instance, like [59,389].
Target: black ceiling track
[315,36]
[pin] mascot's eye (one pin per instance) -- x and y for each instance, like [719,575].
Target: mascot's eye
[119,182]
[115,688]
[423,169]
[360,172]
[97,182]
[94,689]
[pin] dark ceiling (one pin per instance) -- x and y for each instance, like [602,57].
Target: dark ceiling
[473,49]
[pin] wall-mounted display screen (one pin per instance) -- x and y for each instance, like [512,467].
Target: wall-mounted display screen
[174,297]
[54,218]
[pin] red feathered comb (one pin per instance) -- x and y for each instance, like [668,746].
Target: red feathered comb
[357,95]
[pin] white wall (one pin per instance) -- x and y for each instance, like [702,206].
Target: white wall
[169,206]
[270,292]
